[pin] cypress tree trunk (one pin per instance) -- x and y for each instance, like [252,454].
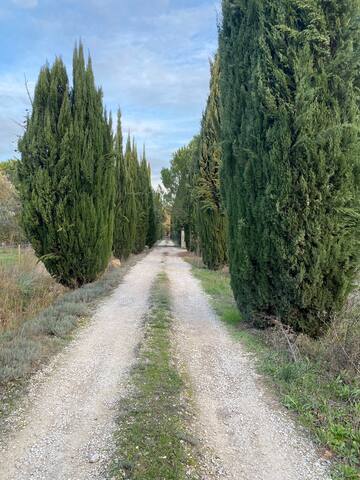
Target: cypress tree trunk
[211,216]
[66,174]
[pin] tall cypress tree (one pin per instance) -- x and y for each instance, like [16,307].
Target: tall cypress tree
[326,148]
[289,146]
[125,206]
[142,198]
[152,229]
[138,244]
[211,216]
[66,174]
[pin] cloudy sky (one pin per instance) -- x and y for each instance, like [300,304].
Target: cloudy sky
[150,57]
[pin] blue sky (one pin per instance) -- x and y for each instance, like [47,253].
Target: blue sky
[150,57]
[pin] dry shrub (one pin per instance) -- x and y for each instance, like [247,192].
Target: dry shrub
[25,289]
[339,348]
[338,351]
[341,344]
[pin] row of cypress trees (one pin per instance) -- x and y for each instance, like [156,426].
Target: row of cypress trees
[282,122]
[82,197]
[138,220]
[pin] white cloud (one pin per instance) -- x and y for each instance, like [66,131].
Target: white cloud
[26,3]
[154,66]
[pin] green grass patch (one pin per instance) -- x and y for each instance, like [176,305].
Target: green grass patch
[8,256]
[328,404]
[151,441]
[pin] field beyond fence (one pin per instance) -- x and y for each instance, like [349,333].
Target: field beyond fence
[11,254]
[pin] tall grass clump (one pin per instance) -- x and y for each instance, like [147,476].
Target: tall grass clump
[25,289]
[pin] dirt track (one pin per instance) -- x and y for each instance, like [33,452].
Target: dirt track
[65,432]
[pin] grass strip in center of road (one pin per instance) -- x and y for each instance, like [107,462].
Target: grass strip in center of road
[152,442]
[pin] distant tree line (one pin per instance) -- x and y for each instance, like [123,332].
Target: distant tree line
[271,184]
[83,197]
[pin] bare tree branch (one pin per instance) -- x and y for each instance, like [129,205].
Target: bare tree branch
[18,123]
[27,90]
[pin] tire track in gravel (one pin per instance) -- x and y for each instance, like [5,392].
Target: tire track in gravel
[251,434]
[65,429]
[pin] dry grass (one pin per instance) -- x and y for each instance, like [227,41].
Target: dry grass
[25,289]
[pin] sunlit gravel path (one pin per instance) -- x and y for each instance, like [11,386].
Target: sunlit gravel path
[65,429]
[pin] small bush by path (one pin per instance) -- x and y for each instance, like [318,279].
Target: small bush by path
[322,383]
[152,441]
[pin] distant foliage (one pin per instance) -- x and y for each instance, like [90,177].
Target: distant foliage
[290,138]
[66,174]
[9,169]
[211,217]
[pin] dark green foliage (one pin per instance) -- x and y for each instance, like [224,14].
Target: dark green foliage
[152,231]
[66,174]
[211,216]
[142,201]
[125,204]
[289,92]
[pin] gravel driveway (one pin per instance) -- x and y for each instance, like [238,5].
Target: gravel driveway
[253,436]
[64,431]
